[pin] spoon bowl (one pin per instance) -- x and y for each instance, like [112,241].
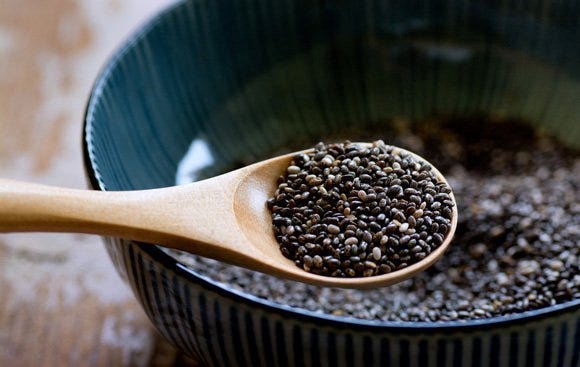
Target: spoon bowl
[224,218]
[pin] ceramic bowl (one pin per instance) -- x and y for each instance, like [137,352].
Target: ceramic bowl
[246,77]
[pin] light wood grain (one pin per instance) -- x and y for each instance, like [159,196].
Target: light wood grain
[224,218]
[58,321]
[52,286]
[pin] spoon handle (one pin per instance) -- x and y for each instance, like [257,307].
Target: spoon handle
[27,207]
[183,217]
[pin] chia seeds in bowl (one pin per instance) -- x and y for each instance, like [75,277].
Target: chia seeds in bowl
[516,247]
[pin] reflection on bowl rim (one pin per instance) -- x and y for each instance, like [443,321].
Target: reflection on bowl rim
[191,275]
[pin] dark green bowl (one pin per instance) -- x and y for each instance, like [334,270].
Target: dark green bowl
[244,78]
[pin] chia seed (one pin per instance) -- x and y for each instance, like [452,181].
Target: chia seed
[371,174]
[516,247]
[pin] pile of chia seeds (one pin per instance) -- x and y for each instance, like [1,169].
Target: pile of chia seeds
[348,210]
[517,244]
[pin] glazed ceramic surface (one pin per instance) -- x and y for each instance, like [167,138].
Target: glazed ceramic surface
[238,80]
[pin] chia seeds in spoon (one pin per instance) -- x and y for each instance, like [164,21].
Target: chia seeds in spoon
[349,210]
[517,243]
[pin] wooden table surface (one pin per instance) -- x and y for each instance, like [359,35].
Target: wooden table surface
[61,302]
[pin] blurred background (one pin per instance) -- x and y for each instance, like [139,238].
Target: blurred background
[61,302]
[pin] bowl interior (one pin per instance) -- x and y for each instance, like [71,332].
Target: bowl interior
[244,78]
[207,86]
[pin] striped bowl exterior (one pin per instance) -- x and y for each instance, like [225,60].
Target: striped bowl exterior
[222,328]
[226,71]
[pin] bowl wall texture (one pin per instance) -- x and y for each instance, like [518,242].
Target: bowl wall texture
[246,77]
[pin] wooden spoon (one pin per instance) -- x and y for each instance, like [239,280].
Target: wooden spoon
[224,218]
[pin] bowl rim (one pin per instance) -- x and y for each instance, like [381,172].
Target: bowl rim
[173,265]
